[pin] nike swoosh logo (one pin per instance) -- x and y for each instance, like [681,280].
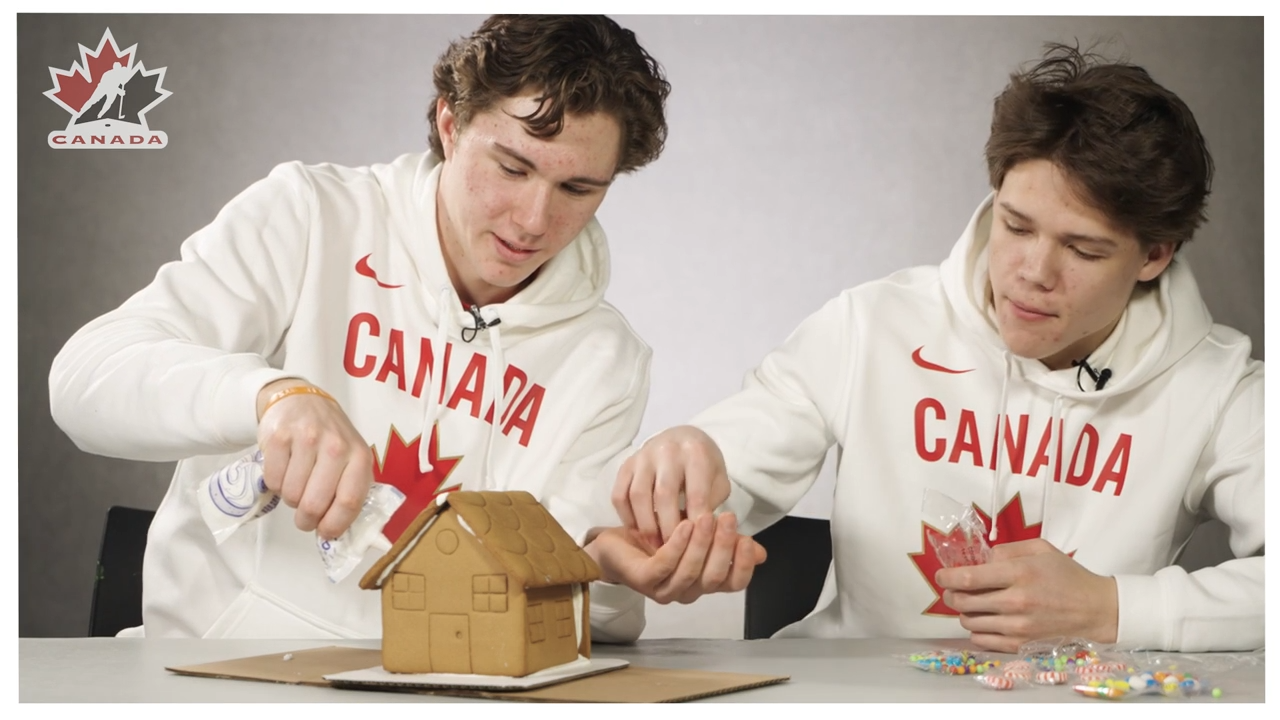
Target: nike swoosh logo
[915,357]
[362,268]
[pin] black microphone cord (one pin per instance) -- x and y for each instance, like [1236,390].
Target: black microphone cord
[1099,378]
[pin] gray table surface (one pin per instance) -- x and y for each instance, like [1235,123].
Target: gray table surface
[828,671]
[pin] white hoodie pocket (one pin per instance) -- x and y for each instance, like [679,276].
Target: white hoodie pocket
[258,613]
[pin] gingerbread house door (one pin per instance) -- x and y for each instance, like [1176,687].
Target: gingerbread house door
[450,640]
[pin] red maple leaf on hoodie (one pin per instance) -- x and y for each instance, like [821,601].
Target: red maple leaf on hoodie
[399,468]
[1012,526]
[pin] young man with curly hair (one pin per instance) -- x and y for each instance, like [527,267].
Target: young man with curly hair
[433,323]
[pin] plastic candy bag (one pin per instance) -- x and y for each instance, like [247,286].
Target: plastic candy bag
[1050,662]
[1167,676]
[1178,676]
[1060,660]
[238,494]
[961,538]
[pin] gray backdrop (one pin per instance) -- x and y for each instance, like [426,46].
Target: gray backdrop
[807,154]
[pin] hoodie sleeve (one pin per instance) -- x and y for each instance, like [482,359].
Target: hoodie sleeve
[579,498]
[176,369]
[1220,607]
[776,431]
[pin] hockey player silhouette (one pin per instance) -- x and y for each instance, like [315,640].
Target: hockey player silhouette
[111,86]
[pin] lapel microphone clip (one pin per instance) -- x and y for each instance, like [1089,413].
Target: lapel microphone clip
[1099,378]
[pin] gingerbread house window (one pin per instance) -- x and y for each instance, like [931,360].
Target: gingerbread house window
[408,591]
[537,628]
[564,618]
[489,593]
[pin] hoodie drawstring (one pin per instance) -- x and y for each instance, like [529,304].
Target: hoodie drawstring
[995,480]
[496,377]
[487,319]
[431,410]
[1055,440]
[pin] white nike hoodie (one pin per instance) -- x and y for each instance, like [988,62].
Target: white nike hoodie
[908,375]
[335,275]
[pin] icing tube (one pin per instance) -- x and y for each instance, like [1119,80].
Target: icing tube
[235,495]
[238,494]
[342,554]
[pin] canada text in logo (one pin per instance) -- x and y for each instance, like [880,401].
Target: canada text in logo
[108,93]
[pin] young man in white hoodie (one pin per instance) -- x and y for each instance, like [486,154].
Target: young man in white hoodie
[1058,372]
[433,323]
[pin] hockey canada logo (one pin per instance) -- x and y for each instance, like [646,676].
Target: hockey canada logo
[108,93]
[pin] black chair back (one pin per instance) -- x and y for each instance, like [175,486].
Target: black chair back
[786,586]
[117,588]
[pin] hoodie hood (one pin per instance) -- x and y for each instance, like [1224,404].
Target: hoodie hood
[1159,326]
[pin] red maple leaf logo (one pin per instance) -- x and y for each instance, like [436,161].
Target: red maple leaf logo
[399,468]
[1012,526]
[74,87]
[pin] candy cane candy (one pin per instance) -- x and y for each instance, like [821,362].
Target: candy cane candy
[996,682]
[1051,677]
[1019,670]
[1092,672]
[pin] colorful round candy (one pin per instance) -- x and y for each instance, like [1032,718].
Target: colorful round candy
[1143,681]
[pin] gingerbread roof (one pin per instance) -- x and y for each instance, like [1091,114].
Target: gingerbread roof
[382,569]
[514,527]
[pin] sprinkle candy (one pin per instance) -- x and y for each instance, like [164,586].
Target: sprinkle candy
[959,662]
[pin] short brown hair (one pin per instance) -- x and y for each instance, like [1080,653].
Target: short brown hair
[578,64]
[1132,147]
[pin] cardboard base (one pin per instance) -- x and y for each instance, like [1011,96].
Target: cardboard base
[628,684]
[300,667]
[377,677]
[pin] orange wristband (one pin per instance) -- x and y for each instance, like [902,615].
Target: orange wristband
[295,390]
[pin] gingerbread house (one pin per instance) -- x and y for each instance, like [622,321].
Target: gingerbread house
[483,583]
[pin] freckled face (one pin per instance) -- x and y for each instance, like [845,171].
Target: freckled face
[508,202]
[1061,273]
